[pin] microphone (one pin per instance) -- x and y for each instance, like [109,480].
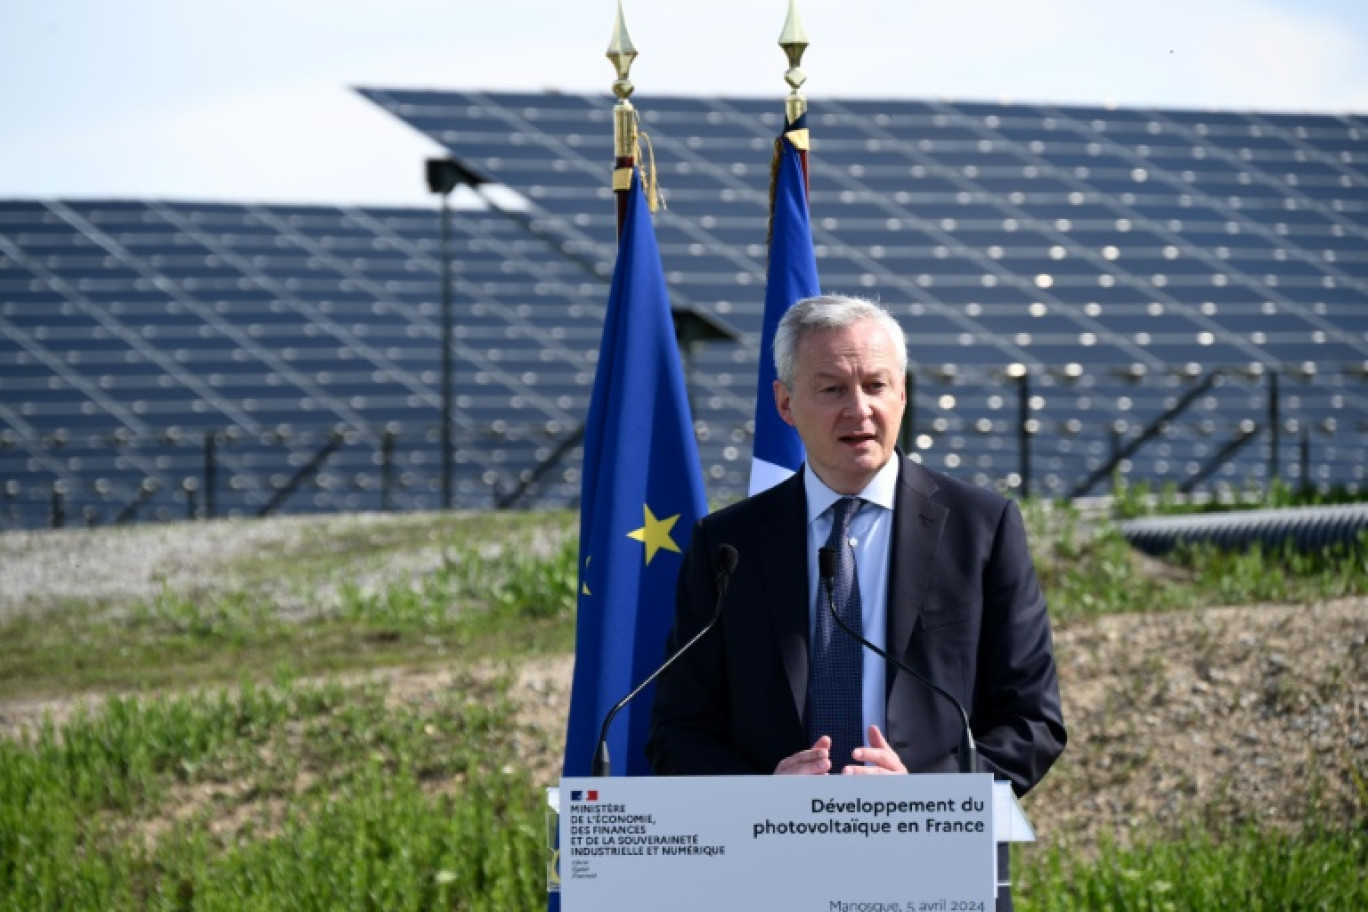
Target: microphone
[724,559]
[968,753]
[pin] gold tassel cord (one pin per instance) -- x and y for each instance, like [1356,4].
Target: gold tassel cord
[799,140]
[650,175]
[773,190]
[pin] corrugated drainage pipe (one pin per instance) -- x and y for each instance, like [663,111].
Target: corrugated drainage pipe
[1308,529]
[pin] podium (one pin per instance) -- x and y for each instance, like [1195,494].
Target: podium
[907,843]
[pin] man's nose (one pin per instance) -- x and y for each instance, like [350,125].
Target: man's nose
[858,404]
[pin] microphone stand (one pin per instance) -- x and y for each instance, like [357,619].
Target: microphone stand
[726,559]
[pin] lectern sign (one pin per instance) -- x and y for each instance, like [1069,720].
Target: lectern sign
[823,843]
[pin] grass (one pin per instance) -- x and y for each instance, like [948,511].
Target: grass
[1247,869]
[337,797]
[1143,499]
[518,598]
[514,600]
[234,773]
[340,797]
[1093,572]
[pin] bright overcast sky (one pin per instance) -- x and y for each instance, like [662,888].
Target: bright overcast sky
[252,100]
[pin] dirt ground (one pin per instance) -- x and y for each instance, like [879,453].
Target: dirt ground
[1225,715]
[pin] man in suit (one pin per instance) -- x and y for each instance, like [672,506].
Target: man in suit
[941,578]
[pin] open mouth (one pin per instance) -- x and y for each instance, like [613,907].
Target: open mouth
[857,439]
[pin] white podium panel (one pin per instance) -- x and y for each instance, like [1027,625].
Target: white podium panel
[818,843]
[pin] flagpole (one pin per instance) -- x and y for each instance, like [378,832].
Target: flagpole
[622,52]
[791,271]
[794,40]
[641,486]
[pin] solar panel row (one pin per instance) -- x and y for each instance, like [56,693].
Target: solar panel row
[159,359]
[1038,235]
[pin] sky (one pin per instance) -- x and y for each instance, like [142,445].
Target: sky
[253,101]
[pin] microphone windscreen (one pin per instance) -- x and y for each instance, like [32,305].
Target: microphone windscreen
[826,562]
[726,559]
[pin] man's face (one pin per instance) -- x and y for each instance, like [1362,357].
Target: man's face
[847,403]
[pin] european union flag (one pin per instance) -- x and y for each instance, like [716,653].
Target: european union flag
[792,276]
[642,493]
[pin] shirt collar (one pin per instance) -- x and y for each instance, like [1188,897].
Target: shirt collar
[880,491]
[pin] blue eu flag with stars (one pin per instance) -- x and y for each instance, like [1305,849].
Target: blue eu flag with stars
[642,493]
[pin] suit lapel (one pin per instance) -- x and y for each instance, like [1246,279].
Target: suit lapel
[918,522]
[786,583]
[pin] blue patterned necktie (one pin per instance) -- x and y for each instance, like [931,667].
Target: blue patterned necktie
[834,683]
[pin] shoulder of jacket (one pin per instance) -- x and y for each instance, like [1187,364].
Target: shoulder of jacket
[767,501]
[952,489]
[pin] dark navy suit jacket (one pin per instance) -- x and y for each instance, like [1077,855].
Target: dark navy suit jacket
[964,610]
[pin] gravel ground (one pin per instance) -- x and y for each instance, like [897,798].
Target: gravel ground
[117,567]
[1223,715]
[39,569]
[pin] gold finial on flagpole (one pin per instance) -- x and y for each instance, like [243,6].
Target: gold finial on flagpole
[794,40]
[622,52]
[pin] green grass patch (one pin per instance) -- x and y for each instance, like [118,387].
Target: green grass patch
[292,796]
[1143,498]
[1094,571]
[1248,870]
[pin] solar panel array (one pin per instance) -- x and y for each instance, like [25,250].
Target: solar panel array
[1116,258]
[1096,267]
[131,330]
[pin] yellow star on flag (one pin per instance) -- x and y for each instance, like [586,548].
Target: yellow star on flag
[656,534]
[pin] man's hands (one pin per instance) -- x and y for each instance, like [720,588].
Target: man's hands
[879,759]
[815,761]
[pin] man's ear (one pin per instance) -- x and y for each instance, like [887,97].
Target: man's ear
[782,402]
